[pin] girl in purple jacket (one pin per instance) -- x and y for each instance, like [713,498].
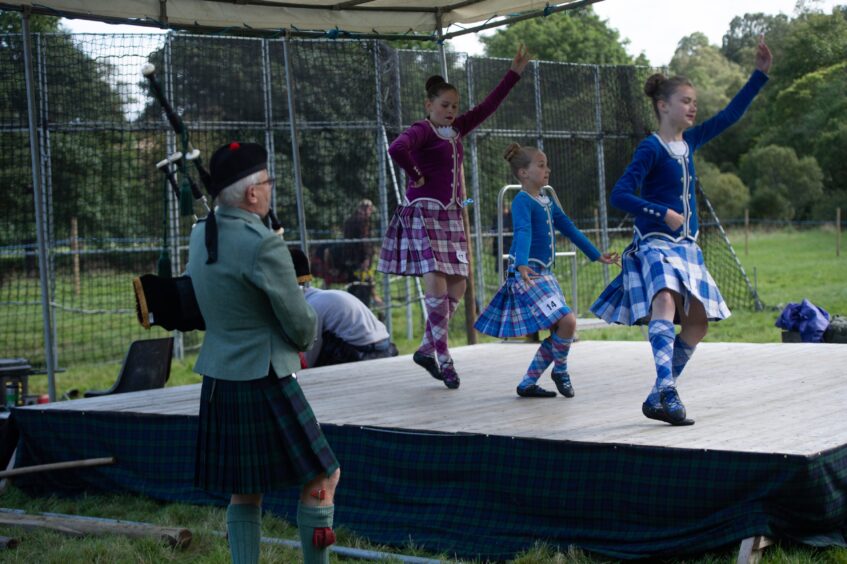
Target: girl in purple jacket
[426,236]
[664,277]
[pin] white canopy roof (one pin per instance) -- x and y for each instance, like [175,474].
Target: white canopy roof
[361,17]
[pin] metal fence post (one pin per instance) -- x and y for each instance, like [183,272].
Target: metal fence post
[383,181]
[267,100]
[47,180]
[601,172]
[40,211]
[173,203]
[539,123]
[295,147]
[477,197]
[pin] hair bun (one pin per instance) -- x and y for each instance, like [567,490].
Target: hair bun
[512,150]
[434,81]
[653,84]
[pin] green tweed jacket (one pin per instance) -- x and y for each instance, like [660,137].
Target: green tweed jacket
[256,315]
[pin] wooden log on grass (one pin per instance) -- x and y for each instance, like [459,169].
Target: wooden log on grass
[85,463]
[80,527]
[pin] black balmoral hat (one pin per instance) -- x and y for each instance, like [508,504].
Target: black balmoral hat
[233,162]
[228,165]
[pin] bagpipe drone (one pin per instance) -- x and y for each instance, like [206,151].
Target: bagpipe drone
[161,299]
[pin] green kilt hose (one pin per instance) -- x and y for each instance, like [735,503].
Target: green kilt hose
[258,436]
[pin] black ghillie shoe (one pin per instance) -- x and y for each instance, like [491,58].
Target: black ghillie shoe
[535,391]
[563,383]
[428,363]
[672,405]
[658,413]
[449,376]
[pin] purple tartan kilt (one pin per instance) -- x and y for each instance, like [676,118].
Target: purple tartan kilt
[518,309]
[652,265]
[258,436]
[424,237]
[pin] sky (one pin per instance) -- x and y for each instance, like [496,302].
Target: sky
[652,26]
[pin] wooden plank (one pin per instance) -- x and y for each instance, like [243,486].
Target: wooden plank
[173,536]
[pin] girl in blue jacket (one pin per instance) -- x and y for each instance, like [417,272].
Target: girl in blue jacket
[530,298]
[664,278]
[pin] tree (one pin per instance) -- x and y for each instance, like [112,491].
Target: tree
[716,78]
[739,42]
[725,190]
[573,36]
[783,185]
[814,41]
[11,22]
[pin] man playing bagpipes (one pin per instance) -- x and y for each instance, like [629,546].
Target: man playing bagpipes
[257,432]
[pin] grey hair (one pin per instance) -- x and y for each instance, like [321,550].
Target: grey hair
[233,194]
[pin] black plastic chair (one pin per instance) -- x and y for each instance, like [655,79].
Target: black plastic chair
[147,366]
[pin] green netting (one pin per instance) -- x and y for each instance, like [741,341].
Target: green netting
[111,217]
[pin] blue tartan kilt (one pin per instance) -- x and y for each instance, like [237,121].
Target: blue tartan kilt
[519,309]
[655,264]
[258,436]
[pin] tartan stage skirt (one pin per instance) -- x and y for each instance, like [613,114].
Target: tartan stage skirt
[258,436]
[519,309]
[425,237]
[655,264]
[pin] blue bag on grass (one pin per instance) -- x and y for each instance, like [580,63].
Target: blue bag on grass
[808,319]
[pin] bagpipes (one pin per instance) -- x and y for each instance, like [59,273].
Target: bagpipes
[162,299]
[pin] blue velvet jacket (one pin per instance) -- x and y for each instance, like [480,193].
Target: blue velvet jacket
[669,181]
[535,239]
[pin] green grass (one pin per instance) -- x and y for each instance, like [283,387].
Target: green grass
[790,265]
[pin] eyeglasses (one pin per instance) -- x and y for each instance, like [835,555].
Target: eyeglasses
[271,182]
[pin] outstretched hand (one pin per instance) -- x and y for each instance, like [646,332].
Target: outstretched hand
[521,59]
[763,55]
[610,258]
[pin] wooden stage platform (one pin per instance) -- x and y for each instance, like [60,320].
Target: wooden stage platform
[766,398]
[781,405]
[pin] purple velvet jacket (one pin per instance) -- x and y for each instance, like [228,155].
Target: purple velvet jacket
[421,151]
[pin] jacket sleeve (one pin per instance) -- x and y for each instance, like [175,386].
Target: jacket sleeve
[624,194]
[567,228]
[709,129]
[273,273]
[522,228]
[471,119]
[401,149]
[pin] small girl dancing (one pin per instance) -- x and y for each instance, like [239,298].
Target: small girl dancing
[426,236]
[530,299]
[664,278]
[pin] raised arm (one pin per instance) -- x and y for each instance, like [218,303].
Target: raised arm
[471,119]
[709,129]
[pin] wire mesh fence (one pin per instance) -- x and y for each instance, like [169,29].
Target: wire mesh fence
[110,216]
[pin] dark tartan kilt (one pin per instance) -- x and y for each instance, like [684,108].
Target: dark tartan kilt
[258,436]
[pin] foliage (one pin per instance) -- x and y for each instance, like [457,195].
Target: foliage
[11,22]
[784,186]
[726,191]
[714,76]
[84,185]
[573,36]
[739,42]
